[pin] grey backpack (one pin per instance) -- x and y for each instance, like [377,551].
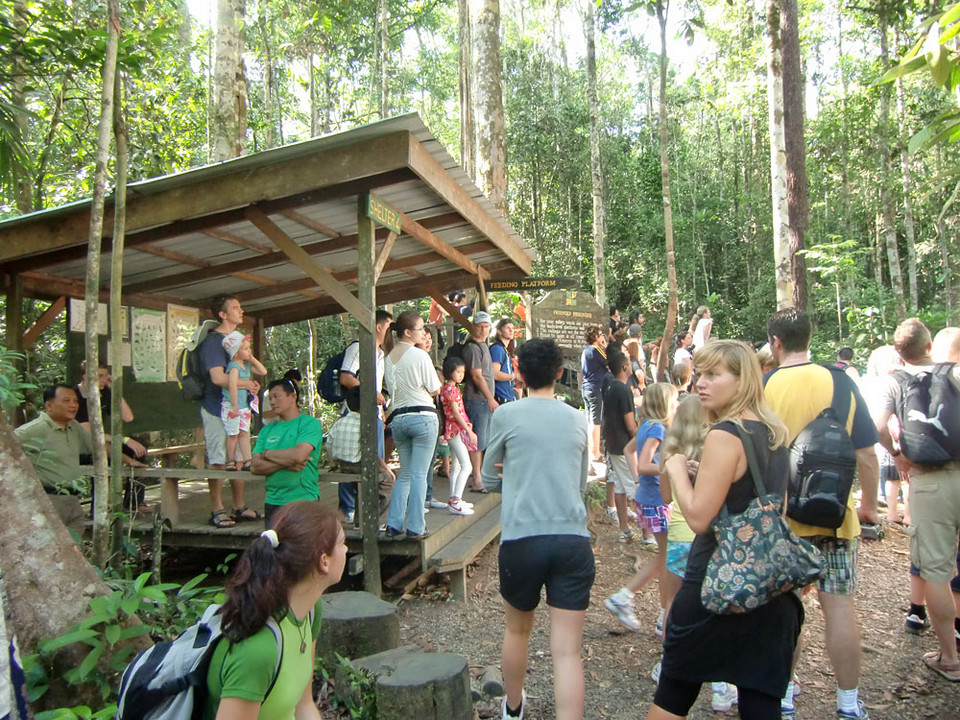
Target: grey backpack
[169,680]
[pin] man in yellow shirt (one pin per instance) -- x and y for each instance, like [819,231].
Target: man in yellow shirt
[798,391]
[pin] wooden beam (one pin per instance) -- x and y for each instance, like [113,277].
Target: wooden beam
[443,183]
[394,292]
[451,309]
[417,231]
[302,259]
[235,183]
[43,322]
[237,240]
[310,223]
[383,256]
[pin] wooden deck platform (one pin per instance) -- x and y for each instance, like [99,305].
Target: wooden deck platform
[452,543]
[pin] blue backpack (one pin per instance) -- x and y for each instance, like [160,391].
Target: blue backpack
[169,680]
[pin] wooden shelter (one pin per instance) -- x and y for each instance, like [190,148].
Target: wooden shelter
[344,222]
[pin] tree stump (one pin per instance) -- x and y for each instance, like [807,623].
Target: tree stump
[356,624]
[413,684]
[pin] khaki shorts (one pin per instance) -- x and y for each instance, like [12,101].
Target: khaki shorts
[935,513]
[618,473]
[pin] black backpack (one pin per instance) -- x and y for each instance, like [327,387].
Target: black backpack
[823,463]
[328,381]
[190,375]
[929,412]
[456,350]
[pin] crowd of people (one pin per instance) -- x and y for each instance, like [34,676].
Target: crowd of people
[675,452]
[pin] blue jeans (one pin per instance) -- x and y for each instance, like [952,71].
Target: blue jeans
[415,435]
[347,492]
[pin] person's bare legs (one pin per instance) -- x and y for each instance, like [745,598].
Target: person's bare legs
[232,450]
[651,568]
[566,642]
[669,587]
[595,443]
[942,611]
[513,652]
[476,459]
[842,631]
[658,713]
[917,587]
[620,500]
[236,488]
[893,501]
[243,440]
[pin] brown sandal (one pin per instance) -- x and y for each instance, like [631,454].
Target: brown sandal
[934,661]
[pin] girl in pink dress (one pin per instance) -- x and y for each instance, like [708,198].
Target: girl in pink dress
[458,433]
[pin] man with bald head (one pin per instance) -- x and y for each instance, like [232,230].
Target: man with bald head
[946,345]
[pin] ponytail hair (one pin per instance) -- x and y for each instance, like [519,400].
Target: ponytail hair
[261,582]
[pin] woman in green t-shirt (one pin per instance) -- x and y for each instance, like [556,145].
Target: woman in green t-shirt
[281,575]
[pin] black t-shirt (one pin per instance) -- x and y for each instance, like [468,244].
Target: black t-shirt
[617,402]
[83,415]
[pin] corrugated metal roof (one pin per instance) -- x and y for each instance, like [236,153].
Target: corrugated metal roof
[188,238]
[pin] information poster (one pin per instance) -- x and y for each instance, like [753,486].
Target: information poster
[564,316]
[182,322]
[149,345]
[78,316]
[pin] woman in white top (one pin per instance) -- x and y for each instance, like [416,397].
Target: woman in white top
[682,352]
[413,381]
[700,325]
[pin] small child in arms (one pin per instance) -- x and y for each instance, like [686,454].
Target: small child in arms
[234,408]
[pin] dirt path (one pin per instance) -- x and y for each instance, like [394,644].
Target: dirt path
[895,684]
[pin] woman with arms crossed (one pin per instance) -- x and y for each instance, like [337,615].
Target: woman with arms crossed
[751,650]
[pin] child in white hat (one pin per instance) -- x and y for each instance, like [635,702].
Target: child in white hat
[234,408]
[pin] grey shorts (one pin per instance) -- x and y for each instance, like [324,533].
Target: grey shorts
[215,438]
[479,414]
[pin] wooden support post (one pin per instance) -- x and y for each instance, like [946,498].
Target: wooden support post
[15,325]
[481,291]
[43,322]
[450,308]
[369,493]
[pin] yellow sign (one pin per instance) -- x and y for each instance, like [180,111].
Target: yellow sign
[383,214]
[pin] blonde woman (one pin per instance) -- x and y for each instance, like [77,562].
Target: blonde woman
[700,326]
[752,650]
[643,456]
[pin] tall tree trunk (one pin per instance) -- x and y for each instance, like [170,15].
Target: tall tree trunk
[906,179]
[662,8]
[886,192]
[491,150]
[116,328]
[383,13]
[312,88]
[797,186]
[943,241]
[101,506]
[21,173]
[311,366]
[269,82]
[778,159]
[468,138]
[596,166]
[229,112]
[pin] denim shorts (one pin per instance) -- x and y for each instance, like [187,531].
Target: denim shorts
[478,412]
[592,403]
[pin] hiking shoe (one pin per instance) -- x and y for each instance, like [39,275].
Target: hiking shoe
[860,714]
[649,542]
[915,625]
[612,516]
[724,699]
[658,628]
[797,689]
[435,504]
[655,673]
[503,708]
[788,713]
[460,509]
[627,536]
[622,609]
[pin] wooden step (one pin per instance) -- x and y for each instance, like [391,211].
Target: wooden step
[468,544]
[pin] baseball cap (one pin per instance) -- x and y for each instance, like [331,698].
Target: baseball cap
[635,331]
[232,342]
[481,317]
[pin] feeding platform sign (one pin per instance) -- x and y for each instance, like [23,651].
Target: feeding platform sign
[533,283]
[381,213]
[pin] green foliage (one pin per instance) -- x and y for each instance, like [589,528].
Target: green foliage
[11,384]
[360,700]
[134,609]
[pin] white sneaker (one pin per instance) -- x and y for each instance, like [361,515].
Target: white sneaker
[655,673]
[460,509]
[612,516]
[622,608]
[724,697]
[504,715]
[435,504]
[631,513]
[658,629]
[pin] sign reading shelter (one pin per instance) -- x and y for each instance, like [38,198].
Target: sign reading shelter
[564,316]
[533,283]
[381,213]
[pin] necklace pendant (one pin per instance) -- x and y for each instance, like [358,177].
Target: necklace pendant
[303,647]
